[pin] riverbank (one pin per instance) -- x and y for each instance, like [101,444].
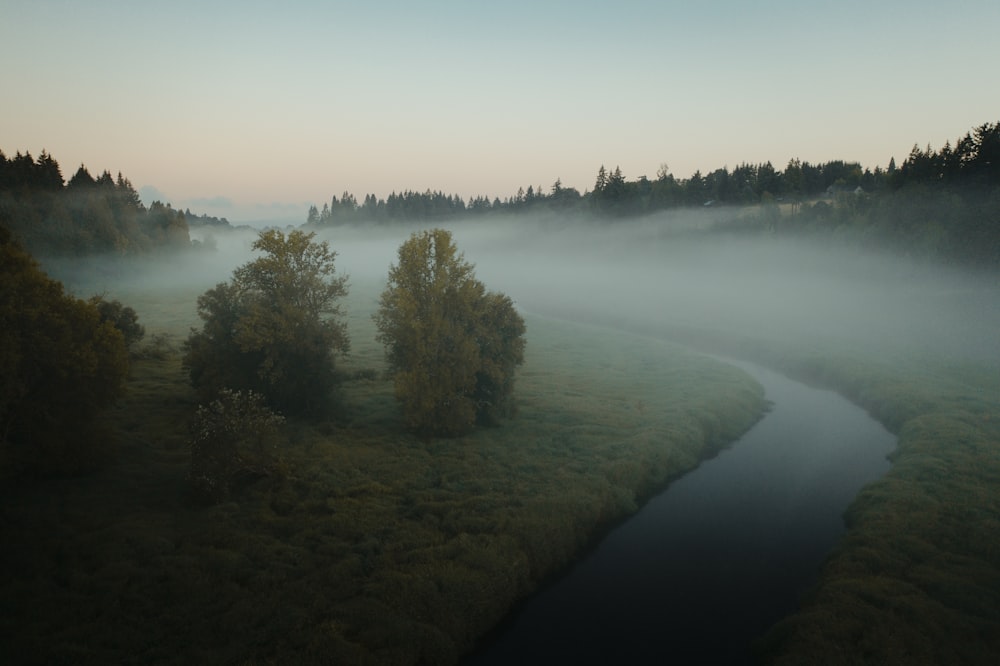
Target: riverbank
[916,579]
[711,563]
[374,547]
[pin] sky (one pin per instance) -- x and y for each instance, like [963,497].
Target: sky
[255,110]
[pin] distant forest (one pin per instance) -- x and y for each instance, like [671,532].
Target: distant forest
[86,215]
[943,203]
[939,203]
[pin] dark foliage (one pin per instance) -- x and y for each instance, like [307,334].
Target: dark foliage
[61,364]
[274,327]
[234,440]
[84,216]
[122,317]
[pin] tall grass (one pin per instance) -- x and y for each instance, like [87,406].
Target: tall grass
[374,546]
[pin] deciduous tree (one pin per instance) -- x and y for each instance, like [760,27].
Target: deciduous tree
[122,317]
[60,366]
[274,327]
[452,346]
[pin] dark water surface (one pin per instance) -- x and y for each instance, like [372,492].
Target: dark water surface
[718,557]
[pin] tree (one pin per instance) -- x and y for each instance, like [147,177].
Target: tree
[81,179]
[48,175]
[451,345]
[60,366]
[602,179]
[274,327]
[694,189]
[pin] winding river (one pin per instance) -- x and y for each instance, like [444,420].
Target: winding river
[718,557]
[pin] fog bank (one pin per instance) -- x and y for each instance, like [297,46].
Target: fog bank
[667,271]
[653,274]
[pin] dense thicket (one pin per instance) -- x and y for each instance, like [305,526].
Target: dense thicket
[61,363]
[451,345]
[83,216]
[274,327]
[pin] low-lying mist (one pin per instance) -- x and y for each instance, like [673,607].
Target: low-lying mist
[671,272]
[387,530]
[653,274]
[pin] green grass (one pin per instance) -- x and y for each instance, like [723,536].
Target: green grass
[374,546]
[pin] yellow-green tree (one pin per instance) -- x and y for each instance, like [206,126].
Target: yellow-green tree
[60,366]
[274,327]
[451,345]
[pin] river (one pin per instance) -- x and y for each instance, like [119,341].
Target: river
[719,556]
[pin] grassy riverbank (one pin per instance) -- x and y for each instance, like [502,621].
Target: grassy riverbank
[374,546]
[916,580]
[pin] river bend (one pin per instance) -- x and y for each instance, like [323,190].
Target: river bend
[719,556]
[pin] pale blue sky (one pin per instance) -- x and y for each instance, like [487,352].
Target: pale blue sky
[271,106]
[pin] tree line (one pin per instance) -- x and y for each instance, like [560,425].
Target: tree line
[942,203]
[611,196]
[85,215]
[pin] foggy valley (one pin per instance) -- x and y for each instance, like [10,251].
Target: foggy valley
[472,334]
[790,423]
[673,272]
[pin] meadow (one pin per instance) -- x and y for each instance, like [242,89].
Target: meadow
[372,546]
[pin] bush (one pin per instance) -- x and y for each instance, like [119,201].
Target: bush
[274,327]
[121,317]
[234,440]
[452,347]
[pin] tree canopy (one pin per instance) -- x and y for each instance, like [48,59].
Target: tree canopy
[84,216]
[451,345]
[61,364]
[274,327]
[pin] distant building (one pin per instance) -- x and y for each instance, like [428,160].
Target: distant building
[844,189]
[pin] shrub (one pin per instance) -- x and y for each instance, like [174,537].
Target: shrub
[234,440]
[121,317]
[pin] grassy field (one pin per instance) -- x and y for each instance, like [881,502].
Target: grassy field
[373,546]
